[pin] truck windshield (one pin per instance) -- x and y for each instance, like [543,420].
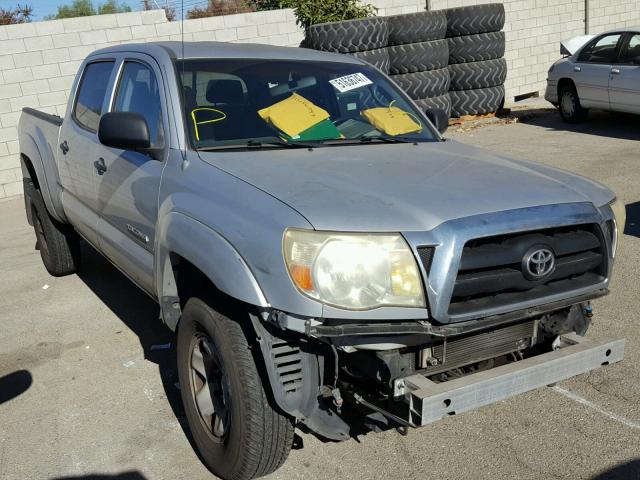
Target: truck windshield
[253,102]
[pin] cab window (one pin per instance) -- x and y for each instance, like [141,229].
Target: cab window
[601,50]
[90,98]
[138,92]
[632,52]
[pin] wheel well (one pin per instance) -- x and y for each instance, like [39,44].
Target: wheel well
[32,172]
[190,281]
[565,82]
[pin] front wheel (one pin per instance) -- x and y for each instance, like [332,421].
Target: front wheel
[238,433]
[570,109]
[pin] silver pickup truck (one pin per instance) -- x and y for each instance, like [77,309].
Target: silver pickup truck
[326,258]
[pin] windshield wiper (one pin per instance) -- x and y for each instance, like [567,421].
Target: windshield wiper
[251,144]
[378,138]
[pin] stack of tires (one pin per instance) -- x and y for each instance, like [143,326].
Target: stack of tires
[419,56]
[450,59]
[477,69]
[412,48]
[365,38]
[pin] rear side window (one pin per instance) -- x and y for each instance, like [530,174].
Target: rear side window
[602,50]
[91,92]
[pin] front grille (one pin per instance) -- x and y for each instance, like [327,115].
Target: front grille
[491,269]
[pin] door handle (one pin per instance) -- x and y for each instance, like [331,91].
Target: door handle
[100,166]
[615,71]
[64,146]
[577,69]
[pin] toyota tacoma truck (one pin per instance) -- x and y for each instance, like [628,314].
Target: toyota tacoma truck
[326,258]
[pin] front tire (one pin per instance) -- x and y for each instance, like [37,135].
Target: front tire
[570,109]
[238,434]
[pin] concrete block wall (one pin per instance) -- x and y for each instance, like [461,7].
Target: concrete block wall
[39,60]
[535,28]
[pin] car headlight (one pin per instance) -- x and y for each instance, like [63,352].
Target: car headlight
[353,271]
[620,219]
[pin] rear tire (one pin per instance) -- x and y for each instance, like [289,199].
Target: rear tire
[238,434]
[59,245]
[569,105]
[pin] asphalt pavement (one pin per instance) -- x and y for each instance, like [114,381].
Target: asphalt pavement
[87,386]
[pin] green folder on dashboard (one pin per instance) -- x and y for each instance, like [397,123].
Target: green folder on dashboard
[324,130]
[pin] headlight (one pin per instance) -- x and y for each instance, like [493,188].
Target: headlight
[353,271]
[620,218]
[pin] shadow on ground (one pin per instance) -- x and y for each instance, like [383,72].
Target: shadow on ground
[14,384]
[604,124]
[132,475]
[625,471]
[141,315]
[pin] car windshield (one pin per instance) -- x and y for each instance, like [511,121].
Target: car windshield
[233,103]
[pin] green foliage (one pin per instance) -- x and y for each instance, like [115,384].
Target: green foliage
[85,8]
[112,6]
[312,12]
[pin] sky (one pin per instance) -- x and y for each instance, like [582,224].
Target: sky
[42,8]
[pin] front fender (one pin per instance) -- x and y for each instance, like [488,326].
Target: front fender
[210,252]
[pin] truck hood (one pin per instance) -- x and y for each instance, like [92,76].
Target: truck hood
[402,187]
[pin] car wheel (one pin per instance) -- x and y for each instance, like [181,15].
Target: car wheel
[570,109]
[237,432]
[59,245]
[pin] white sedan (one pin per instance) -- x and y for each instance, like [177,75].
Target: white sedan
[601,71]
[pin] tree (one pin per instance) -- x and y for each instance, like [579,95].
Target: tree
[168,11]
[219,7]
[85,8]
[311,12]
[112,6]
[20,14]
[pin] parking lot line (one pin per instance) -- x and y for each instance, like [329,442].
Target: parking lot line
[597,408]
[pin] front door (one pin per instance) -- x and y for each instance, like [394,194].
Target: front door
[592,70]
[624,88]
[129,181]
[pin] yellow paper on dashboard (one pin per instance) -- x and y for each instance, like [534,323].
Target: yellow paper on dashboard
[293,115]
[391,120]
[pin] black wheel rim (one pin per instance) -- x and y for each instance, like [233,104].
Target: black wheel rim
[209,386]
[41,237]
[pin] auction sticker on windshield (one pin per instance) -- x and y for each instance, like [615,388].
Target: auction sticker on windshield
[350,82]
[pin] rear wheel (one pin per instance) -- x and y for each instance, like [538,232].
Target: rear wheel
[570,109]
[238,433]
[58,244]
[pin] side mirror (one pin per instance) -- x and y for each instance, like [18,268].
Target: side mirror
[439,118]
[124,130]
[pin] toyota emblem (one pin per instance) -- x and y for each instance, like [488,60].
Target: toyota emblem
[538,263]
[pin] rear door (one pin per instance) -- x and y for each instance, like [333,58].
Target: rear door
[128,185]
[624,88]
[78,142]
[592,70]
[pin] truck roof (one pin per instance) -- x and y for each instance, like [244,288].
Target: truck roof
[192,50]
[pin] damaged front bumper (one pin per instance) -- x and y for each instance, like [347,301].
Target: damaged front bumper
[428,401]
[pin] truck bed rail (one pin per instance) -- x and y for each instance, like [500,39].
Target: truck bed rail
[55,119]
